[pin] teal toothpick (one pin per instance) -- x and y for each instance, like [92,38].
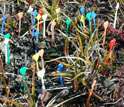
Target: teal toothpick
[68,21]
[88,16]
[6,38]
[22,72]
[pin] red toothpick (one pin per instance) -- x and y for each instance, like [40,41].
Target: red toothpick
[40,12]
[112,42]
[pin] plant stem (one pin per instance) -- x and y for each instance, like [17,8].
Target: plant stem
[81,47]
[33,87]
[4,79]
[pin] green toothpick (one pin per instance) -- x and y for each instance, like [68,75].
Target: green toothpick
[68,21]
[22,72]
[6,38]
[88,15]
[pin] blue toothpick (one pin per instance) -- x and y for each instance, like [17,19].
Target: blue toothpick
[60,66]
[93,15]
[82,10]
[34,14]
[36,34]
[3,20]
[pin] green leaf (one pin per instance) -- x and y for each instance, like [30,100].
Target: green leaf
[50,50]
[13,24]
[42,44]
[55,54]
[63,74]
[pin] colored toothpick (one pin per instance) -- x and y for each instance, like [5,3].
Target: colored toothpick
[68,21]
[3,21]
[57,12]
[82,17]
[34,14]
[105,25]
[22,72]
[41,75]
[117,6]
[88,15]
[30,10]
[82,10]
[41,53]
[44,17]
[19,16]
[36,35]
[52,26]
[112,42]
[7,55]
[60,66]
[38,19]
[36,57]
[93,15]
[83,20]
[40,12]
[42,72]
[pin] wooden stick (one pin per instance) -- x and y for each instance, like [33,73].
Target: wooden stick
[90,94]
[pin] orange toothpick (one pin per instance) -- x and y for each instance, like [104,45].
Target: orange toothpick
[105,25]
[52,26]
[41,53]
[19,16]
